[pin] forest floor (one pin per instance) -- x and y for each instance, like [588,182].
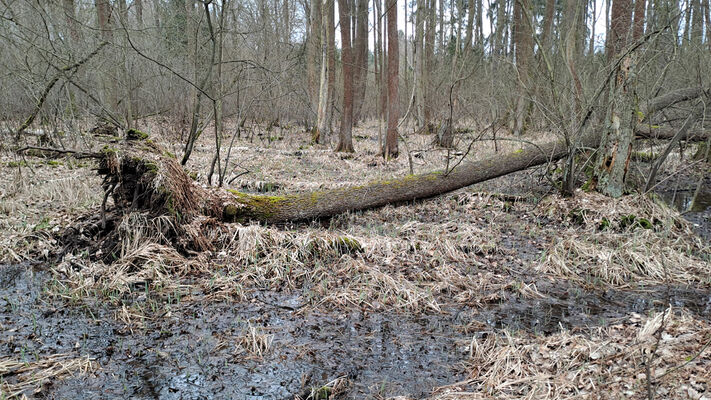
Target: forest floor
[503,290]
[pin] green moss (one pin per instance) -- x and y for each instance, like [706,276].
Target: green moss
[135,134]
[169,154]
[644,223]
[627,221]
[54,163]
[519,151]
[15,164]
[604,224]
[108,150]
[151,167]
[346,245]
[643,157]
[258,206]
[230,212]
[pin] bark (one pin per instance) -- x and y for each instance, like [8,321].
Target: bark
[345,138]
[139,12]
[140,175]
[638,24]
[707,18]
[673,97]
[697,23]
[313,52]
[331,27]
[523,38]
[619,27]
[71,19]
[501,25]
[616,144]
[361,58]
[468,43]
[428,64]
[419,50]
[321,129]
[690,135]
[480,26]
[391,147]
[440,38]
[103,14]
[546,33]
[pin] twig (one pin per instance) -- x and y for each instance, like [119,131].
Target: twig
[75,153]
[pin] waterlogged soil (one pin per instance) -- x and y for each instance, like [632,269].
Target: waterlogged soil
[692,198]
[195,349]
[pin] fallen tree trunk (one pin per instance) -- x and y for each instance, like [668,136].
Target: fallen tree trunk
[140,175]
[670,98]
[658,132]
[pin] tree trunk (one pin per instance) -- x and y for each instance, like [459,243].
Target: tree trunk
[391,148]
[468,43]
[616,145]
[71,19]
[547,31]
[314,49]
[707,18]
[697,24]
[139,12]
[322,123]
[345,138]
[419,49]
[480,26]
[440,39]
[523,38]
[142,176]
[429,64]
[360,76]
[638,25]
[331,26]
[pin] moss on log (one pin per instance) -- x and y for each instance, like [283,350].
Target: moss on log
[141,175]
[326,203]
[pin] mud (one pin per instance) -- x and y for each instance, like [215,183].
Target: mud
[695,205]
[194,349]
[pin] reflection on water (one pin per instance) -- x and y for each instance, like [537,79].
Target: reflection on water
[685,201]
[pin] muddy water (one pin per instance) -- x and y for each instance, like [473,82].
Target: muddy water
[194,352]
[695,206]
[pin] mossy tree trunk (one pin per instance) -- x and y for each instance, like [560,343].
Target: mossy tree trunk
[142,176]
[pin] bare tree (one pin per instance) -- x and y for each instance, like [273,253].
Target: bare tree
[391,149]
[360,47]
[616,146]
[523,38]
[345,137]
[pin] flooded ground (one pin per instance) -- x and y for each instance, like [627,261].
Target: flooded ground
[438,292]
[198,350]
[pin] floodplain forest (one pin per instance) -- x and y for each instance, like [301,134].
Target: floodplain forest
[354,199]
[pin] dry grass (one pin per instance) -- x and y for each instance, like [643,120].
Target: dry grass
[17,377]
[417,258]
[38,199]
[630,241]
[254,341]
[607,363]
